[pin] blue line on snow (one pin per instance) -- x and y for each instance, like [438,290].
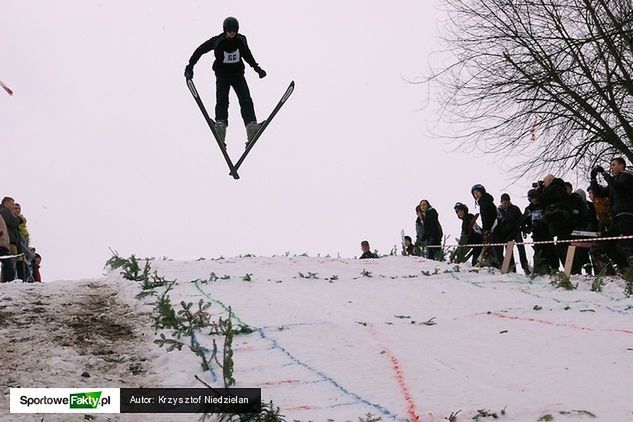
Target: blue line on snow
[276,345]
[359,399]
[194,342]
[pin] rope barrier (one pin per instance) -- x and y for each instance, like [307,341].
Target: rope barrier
[537,242]
[11,256]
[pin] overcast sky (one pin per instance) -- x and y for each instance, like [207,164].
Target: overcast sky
[104,147]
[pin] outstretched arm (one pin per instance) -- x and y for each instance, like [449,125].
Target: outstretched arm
[204,48]
[248,58]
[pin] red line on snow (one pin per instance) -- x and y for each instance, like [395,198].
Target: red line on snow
[302,407]
[542,321]
[399,375]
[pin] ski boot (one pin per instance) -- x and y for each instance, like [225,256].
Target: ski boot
[220,127]
[251,130]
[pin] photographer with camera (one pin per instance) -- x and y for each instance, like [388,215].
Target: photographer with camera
[619,189]
[545,257]
[553,197]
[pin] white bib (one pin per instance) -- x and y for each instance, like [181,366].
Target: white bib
[232,57]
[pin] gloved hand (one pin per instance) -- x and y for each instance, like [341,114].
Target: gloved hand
[189,71]
[261,72]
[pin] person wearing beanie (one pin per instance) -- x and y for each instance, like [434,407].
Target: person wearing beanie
[511,230]
[470,232]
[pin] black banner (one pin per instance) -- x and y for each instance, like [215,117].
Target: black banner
[190,400]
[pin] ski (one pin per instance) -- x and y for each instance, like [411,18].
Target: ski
[265,124]
[6,88]
[211,123]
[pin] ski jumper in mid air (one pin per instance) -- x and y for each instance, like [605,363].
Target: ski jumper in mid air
[229,48]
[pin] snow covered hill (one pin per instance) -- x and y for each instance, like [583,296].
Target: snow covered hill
[399,338]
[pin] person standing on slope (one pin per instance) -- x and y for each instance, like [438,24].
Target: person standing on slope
[229,48]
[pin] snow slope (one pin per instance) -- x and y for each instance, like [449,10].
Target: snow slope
[402,338]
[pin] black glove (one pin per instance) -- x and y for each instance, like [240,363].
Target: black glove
[189,71]
[261,72]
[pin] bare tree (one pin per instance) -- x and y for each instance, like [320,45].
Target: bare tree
[549,81]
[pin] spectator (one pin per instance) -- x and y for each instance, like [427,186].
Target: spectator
[8,270]
[22,226]
[470,233]
[602,206]
[367,253]
[12,222]
[23,262]
[408,248]
[569,188]
[546,257]
[593,215]
[581,215]
[419,227]
[432,231]
[554,199]
[620,193]
[37,261]
[511,230]
[489,221]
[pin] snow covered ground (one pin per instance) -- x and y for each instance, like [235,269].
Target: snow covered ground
[400,338]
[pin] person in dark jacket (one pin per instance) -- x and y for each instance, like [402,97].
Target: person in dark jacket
[554,199]
[12,223]
[511,230]
[8,270]
[229,48]
[433,233]
[367,253]
[582,217]
[470,232]
[620,193]
[489,222]
[409,249]
[419,226]
[545,258]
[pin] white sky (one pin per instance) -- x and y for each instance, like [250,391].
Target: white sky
[103,145]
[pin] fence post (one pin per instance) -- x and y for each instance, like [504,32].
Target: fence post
[507,257]
[569,259]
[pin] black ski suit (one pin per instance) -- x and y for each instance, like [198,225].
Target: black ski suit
[229,72]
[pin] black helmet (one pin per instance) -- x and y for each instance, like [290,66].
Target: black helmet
[478,187]
[531,193]
[231,24]
[459,206]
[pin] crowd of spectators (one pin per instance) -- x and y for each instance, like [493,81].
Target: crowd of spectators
[19,260]
[556,215]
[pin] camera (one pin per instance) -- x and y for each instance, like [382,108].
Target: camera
[537,185]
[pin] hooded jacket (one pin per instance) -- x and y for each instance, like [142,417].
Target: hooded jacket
[487,211]
[12,223]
